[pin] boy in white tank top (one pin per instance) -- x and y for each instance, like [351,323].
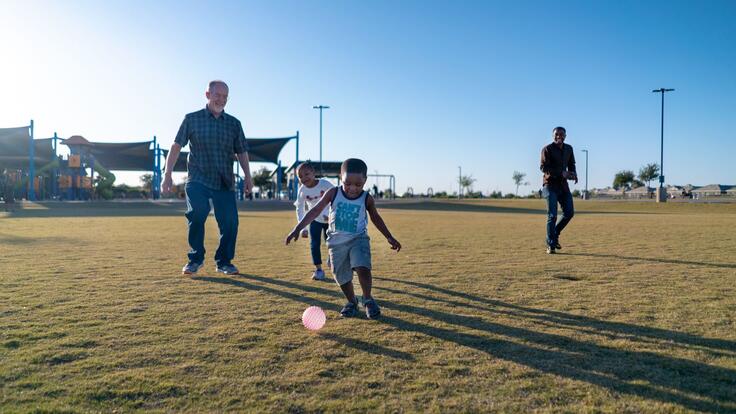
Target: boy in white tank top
[347,236]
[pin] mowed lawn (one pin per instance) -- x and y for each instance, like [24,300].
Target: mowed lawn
[637,313]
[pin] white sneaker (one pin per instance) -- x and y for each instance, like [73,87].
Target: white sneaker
[318,274]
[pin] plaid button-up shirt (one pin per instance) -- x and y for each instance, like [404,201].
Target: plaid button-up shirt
[212,143]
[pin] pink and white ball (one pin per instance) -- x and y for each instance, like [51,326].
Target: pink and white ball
[314,318]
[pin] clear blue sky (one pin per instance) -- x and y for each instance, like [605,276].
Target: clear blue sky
[416,88]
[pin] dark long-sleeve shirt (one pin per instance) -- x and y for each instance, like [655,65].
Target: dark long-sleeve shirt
[554,161]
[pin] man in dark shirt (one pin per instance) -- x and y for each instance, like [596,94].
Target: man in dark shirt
[213,137]
[558,166]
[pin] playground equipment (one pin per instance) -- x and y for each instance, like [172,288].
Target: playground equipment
[38,171]
[391,181]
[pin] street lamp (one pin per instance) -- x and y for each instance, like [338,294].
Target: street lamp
[660,190]
[585,197]
[460,182]
[320,107]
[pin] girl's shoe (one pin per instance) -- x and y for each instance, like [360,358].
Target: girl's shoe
[318,274]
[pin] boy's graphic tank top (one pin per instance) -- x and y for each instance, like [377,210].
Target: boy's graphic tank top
[348,218]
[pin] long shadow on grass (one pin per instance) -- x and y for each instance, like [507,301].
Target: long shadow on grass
[350,342]
[655,260]
[693,385]
[98,209]
[480,208]
[612,329]
[127,208]
[21,240]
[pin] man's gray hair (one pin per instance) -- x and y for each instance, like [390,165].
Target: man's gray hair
[216,82]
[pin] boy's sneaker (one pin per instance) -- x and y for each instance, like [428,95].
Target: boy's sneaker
[318,274]
[550,250]
[191,268]
[349,310]
[372,310]
[228,269]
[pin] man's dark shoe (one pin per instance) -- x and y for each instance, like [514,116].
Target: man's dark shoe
[372,310]
[191,268]
[550,250]
[557,246]
[228,269]
[350,310]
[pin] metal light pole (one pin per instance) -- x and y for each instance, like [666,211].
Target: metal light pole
[320,107]
[660,191]
[460,182]
[585,194]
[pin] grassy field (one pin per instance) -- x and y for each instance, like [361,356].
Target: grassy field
[637,313]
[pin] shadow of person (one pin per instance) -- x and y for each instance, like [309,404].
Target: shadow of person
[653,259]
[691,384]
[357,344]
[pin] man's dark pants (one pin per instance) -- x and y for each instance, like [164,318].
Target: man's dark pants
[226,214]
[554,227]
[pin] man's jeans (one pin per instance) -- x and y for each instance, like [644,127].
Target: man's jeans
[554,227]
[226,214]
[316,230]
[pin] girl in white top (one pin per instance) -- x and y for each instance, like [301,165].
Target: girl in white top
[310,192]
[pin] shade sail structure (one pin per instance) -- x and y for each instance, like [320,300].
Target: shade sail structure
[181,162]
[132,156]
[266,149]
[14,141]
[259,150]
[14,149]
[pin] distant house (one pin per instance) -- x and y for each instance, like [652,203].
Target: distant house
[641,192]
[731,192]
[607,192]
[712,190]
[676,191]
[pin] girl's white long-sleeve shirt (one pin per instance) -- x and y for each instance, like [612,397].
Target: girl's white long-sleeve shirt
[307,198]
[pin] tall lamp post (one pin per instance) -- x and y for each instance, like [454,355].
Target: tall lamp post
[661,196]
[585,194]
[320,107]
[460,182]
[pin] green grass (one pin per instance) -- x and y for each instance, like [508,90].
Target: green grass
[635,315]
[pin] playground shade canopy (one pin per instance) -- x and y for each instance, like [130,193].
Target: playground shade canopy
[129,156]
[259,150]
[14,149]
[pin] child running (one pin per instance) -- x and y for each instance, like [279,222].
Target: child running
[310,192]
[347,236]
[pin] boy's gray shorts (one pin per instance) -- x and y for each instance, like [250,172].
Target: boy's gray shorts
[347,256]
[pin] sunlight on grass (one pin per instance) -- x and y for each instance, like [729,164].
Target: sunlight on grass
[635,314]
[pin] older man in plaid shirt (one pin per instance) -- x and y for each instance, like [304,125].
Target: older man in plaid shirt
[213,137]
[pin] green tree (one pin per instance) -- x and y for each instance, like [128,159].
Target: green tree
[648,173]
[262,179]
[147,182]
[624,179]
[519,180]
[466,182]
